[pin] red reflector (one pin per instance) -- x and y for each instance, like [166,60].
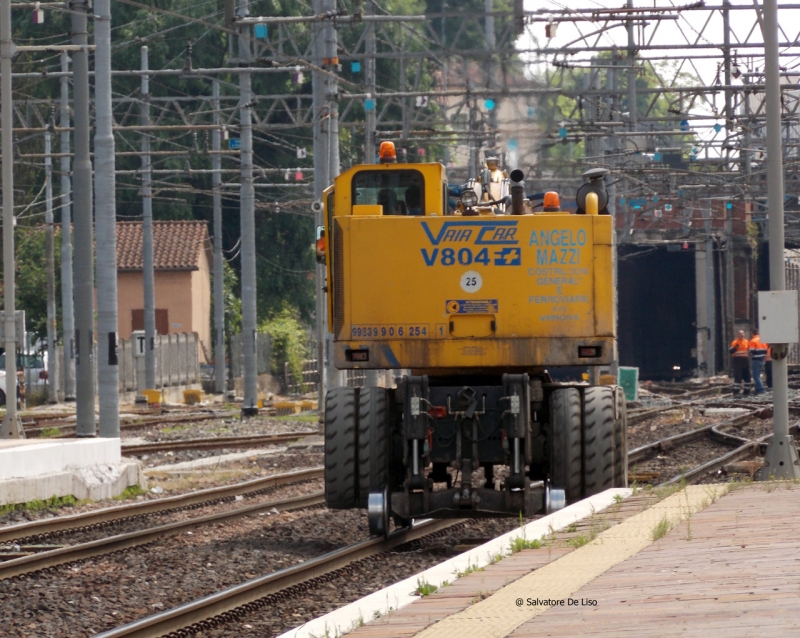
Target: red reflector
[359,355]
[438,411]
[589,352]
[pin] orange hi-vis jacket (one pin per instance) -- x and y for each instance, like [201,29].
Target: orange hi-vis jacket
[740,348]
[758,350]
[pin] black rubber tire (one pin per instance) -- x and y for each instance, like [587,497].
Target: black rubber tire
[598,439]
[620,439]
[2,398]
[373,442]
[565,442]
[341,431]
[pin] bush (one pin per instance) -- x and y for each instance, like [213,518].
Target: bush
[289,340]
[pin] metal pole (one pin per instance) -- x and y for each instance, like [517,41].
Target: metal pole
[369,82]
[373,377]
[12,427]
[330,63]
[148,265]
[67,311]
[611,108]
[781,460]
[248,226]
[219,271]
[49,256]
[726,53]
[632,110]
[106,226]
[321,157]
[711,309]
[84,233]
[491,45]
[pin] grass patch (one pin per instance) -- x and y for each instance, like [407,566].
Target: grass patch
[177,428]
[496,558]
[302,418]
[572,527]
[520,543]
[618,498]
[48,433]
[579,541]
[129,492]
[661,529]
[424,588]
[54,502]
[460,573]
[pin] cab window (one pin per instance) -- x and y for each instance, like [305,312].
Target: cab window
[399,192]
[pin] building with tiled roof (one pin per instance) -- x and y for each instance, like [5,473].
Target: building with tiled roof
[182,259]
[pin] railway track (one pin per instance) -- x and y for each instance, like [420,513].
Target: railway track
[226,605]
[42,529]
[66,428]
[54,557]
[212,444]
[223,606]
[236,602]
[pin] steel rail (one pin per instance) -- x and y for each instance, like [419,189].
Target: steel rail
[248,593]
[638,417]
[642,452]
[82,551]
[128,424]
[748,449]
[214,443]
[192,499]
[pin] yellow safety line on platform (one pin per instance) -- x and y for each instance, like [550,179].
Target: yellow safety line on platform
[500,614]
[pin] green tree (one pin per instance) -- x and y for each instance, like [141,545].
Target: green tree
[31,280]
[290,342]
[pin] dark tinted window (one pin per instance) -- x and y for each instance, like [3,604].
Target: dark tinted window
[399,192]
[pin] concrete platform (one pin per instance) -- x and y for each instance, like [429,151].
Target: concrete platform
[92,468]
[400,595]
[728,566]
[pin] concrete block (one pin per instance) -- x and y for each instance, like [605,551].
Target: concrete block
[93,483]
[34,457]
[93,469]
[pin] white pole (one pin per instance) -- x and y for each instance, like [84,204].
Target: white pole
[148,264]
[12,428]
[84,231]
[219,271]
[248,227]
[67,311]
[50,262]
[780,461]
[106,227]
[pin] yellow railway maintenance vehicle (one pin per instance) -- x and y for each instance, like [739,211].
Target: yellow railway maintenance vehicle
[474,305]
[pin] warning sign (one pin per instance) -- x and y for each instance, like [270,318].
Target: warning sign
[472,306]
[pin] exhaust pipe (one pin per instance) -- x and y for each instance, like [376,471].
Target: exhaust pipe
[517,192]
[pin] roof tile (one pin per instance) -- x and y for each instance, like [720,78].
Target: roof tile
[176,244]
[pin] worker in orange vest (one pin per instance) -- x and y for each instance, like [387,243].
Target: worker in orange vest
[740,358]
[768,367]
[758,354]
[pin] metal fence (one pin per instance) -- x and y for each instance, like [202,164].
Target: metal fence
[310,378]
[177,361]
[263,354]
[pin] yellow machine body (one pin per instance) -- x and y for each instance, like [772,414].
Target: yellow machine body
[439,293]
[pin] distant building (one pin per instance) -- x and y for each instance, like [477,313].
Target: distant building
[182,258]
